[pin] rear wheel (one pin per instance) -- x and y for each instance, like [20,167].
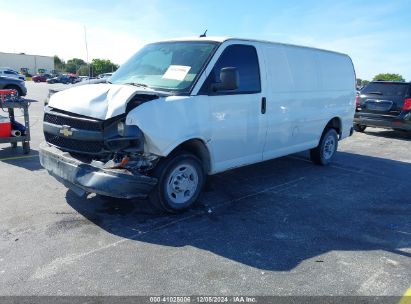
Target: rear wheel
[180,180]
[325,151]
[359,128]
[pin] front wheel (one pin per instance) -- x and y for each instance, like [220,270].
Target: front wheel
[180,180]
[325,151]
[359,128]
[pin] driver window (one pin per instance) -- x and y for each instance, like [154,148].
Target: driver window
[245,59]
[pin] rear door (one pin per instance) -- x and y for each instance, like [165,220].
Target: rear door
[382,98]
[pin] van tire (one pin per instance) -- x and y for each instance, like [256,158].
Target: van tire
[359,128]
[180,179]
[325,151]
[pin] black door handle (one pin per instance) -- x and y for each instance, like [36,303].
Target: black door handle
[263,105]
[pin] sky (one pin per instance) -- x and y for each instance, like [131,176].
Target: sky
[376,34]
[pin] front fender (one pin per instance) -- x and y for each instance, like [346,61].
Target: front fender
[167,122]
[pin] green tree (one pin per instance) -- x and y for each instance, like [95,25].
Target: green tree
[83,70]
[364,83]
[361,83]
[74,64]
[388,77]
[100,66]
[59,63]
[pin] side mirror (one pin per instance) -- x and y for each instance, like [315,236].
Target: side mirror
[229,80]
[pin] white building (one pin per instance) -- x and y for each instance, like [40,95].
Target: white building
[32,64]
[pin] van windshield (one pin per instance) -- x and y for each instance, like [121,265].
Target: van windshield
[167,66]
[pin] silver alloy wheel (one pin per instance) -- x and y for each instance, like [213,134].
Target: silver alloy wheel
[182,183]
[329,147]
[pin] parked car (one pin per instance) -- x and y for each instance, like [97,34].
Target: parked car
[65,79]
[13,83]
[105,75]
[384,104]
[180,110]
[7,72]
[56,79]
[84,78]
[41,78]
[87,78]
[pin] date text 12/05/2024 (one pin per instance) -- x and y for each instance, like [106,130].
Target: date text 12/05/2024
[203,299]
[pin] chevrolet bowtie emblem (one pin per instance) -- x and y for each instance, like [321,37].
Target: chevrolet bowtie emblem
[65,130]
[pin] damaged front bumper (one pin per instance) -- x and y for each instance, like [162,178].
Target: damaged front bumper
[83,178]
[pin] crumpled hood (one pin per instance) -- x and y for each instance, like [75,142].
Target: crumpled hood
[101,101]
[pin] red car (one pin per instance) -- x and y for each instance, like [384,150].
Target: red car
[40,78]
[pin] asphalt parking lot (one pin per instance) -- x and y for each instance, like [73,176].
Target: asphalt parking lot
[283,227]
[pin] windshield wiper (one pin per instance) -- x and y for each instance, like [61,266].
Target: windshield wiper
[143,85]
[375,93]
[137,84]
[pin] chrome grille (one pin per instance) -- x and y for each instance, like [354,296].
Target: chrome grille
[74,122]
[72,144]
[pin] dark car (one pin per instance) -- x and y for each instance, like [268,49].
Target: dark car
[59,79]
[384,104]
[13,83]
[40,78]
[63,79]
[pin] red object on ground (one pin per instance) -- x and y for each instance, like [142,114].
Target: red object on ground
[7,94]
[5,127]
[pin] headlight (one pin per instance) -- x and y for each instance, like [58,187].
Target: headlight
[121,128]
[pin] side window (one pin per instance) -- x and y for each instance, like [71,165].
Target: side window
[245,59]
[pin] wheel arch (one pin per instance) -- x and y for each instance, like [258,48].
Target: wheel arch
[199,149]
[334,123]
[14,87]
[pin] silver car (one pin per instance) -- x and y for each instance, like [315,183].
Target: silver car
[13,83]
[7,72]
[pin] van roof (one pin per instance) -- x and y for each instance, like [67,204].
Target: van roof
[223,39]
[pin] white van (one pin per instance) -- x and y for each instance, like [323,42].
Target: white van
[180,110]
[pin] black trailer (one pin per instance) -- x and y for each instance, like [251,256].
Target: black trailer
[9,103]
